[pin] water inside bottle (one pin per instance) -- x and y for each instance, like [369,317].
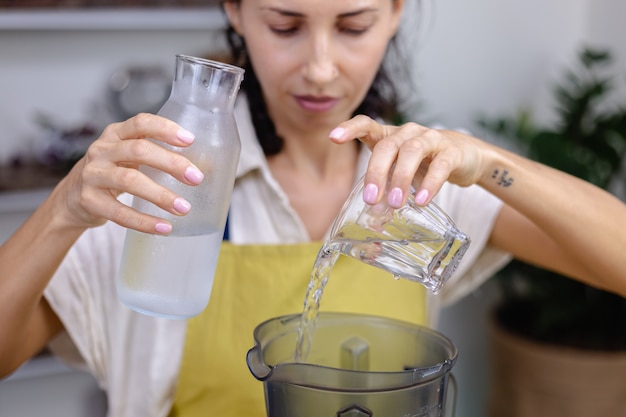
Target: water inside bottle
[151,283]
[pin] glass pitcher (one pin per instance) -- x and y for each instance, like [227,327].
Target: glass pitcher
[358,366]
[172,276]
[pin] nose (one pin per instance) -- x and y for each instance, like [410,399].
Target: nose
[320,66]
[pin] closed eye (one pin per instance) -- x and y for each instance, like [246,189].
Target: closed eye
[284,31]
[353,31]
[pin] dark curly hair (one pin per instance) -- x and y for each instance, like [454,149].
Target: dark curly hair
[381,101]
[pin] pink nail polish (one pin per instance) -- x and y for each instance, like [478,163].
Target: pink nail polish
[185,136]
[163,228]
[395,197]
[182,206]
[370,193]
[421,197]
[337,133]
[194,175]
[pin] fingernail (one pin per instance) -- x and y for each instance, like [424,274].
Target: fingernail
[421,197]
[370,193]
[185,136]
[194,175]
[337,133]
[182,206]
[163,228]
[395,197]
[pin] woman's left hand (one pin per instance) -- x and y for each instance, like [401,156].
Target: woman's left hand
[417,155]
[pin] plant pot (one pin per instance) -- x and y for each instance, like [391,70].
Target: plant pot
[529,378]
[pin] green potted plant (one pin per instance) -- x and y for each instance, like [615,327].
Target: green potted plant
[542,315]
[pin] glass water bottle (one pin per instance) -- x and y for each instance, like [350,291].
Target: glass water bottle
[172,276]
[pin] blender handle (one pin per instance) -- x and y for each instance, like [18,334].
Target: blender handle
[450,401]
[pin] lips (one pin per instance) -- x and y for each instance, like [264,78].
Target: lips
[316,103]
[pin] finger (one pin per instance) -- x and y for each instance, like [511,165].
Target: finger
[411,165]
[103,171]
[105,155]
[395,160]
[438,172]
[95,198]
[369,132]
[444,156]
[359,127]
[137,183]
[125,216]
[136,152]
[145,125]
[148,153]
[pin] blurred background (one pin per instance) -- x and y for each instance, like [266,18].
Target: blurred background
[65,73]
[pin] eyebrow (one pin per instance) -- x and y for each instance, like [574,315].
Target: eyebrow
[340,16]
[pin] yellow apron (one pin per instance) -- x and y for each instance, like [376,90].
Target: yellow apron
[254,283]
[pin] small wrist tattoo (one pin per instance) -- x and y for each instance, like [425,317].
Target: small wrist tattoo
[503,178]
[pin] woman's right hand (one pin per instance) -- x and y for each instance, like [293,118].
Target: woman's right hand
[110,167]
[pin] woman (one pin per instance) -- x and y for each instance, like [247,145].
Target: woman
[311,65]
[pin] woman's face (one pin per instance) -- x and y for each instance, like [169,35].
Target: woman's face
[315,59]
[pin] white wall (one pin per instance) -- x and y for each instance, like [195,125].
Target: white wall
[493,55]
[605,27]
